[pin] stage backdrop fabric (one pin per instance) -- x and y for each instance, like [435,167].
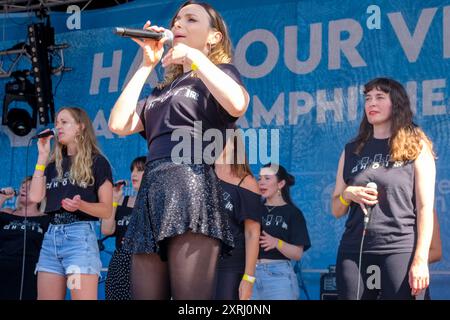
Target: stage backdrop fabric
[303,63]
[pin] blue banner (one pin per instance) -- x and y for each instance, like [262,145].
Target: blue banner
[303,62]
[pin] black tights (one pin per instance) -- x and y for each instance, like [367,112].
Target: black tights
[187,275]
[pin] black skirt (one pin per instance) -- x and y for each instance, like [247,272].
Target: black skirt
[174,199]
[118,283]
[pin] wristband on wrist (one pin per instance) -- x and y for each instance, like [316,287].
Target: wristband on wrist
[40,167]
[343,201]
[115,204]
[280,244]
[248,278]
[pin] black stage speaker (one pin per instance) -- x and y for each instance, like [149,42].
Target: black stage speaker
[328,289]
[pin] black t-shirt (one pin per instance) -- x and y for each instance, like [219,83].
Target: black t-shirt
[240,204]
[392,227]
[179,106]
[57,190]
[286,223]
[123,216]
[11,235]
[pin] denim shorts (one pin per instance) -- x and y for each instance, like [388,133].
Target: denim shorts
[70,249]
[275,280]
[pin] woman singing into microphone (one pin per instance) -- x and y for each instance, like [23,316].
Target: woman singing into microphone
[178,224]
[75,180]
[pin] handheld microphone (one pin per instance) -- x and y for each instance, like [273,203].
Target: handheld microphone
[371,185]
[51,132]
[120,183]
[3,191]
[145,34]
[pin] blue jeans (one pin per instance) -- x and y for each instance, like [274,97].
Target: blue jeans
[70,249]
[275,280]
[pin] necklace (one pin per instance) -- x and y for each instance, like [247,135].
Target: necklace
[178,80]
[270,209]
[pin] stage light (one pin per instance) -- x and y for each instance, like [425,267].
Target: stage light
[20,91]
[33,100]
[19,121]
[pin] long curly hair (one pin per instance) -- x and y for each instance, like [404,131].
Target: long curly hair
[406,137]
[87,148]
[219,53]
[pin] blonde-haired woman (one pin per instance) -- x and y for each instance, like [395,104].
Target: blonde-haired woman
[76,182]
[384,251]
[178,223]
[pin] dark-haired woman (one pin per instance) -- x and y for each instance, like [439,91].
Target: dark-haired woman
[284,237]
[384,254]
[118,284]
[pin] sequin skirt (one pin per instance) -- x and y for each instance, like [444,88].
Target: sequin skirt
[173,199]
[118,283]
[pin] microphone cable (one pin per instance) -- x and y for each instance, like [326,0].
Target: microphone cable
[25,222]
[367,217]
[360,259]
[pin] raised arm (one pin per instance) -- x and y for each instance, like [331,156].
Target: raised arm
[123,119]
[230,95]
[37,186]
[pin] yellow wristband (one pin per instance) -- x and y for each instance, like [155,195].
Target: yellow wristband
[248,278]
[194,67]
[115,204]
[40,167]
[280,244]
[342,200]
